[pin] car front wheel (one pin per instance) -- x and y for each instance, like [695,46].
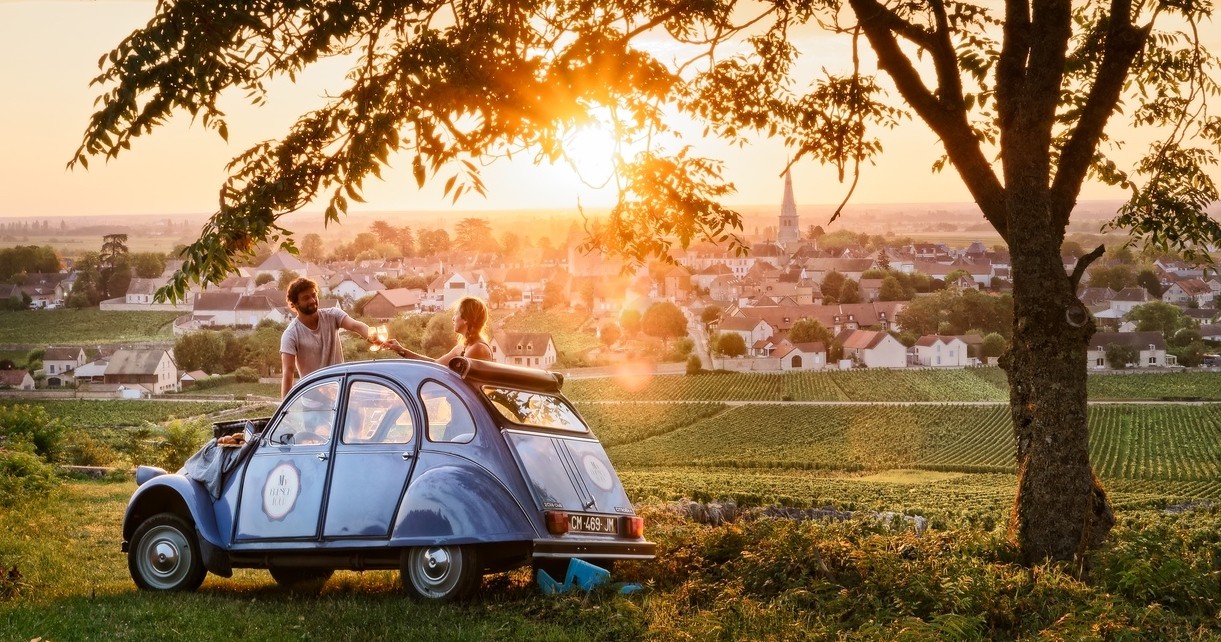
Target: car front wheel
[164,555]
[441,573]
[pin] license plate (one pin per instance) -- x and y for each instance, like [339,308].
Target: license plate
[593,524]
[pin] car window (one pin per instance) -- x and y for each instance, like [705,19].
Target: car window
[376,414]
[309,417]
[449,420]
[534,409]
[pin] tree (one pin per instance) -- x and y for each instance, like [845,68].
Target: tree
[665,321]
[849,292]
[475,235]
[809,330]
[285,279]
[892,290]
[111,263]
[994,345]
[731,344]
[831,286]
[201,350]
[609,333]
[710,314]
[1020,99]
[1147,279]
[1119,355]
[311,248]
[147,265]
[629,321]
[1116,276]
[1157,316]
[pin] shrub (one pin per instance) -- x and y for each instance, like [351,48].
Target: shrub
[23,474]
[31,424]
[213,382]
[694,365]
[85,450]
[179,440]
[246,374]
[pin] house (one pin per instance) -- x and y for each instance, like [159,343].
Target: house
[805,356]
[446,290]
[753,330]
[92,372]
[874,349]
[1150,346]
[353,286]
[532,349]
[233,309]
[142,291]
[1185,291]
[154,368]
[188,379]
[11,295]
[392,303]
[938,351]
[59,363]
[16,379]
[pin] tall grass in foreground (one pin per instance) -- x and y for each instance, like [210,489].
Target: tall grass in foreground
[764,579]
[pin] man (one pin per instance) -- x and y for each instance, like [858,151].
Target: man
[311,340]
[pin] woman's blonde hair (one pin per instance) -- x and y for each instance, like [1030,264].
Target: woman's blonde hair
[475,312]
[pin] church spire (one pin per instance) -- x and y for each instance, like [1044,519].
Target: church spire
[790,229]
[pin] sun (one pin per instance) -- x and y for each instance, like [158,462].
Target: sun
[590,151]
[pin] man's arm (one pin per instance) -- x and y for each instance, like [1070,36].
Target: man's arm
[289,363]
[354,326]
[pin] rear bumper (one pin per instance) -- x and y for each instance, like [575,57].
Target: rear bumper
[589,549]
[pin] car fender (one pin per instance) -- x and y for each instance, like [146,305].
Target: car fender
[173,494]
[459,504]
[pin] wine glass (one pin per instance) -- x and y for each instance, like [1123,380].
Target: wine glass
[380,334]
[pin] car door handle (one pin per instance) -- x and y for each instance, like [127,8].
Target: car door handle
[407,456]
[323,457]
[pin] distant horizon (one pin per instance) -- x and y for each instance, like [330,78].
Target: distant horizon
[520,211]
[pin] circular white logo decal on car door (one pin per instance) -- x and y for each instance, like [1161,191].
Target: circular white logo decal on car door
[598,473]
[280,491]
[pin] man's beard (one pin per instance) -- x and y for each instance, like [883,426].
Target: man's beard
[308,308]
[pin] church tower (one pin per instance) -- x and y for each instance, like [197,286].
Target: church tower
[790,229]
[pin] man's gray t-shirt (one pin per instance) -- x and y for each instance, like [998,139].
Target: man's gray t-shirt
[315,349]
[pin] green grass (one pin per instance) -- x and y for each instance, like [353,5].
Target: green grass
[113,413]
[777,579]
[970,384]
[84,327]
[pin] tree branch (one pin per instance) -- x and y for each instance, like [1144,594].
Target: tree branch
[947,121]
[1082,264]
[1124,42]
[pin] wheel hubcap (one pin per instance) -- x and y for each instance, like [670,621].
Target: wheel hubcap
[164,557]
[436,564]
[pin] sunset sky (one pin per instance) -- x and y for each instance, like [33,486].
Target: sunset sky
[50,50]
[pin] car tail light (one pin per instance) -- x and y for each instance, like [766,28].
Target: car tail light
[633,526]
[557,521]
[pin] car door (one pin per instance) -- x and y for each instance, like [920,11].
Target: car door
[284,484]
[374,456]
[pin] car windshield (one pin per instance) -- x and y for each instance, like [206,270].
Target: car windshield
[535,409]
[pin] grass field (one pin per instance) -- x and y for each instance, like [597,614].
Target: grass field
[751,580]
[38,328]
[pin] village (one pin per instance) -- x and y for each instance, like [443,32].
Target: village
[800,299]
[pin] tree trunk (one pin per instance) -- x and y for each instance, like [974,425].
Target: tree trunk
[1060,510]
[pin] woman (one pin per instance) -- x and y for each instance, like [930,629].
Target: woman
[470,322]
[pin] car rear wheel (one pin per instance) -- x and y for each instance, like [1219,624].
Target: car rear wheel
[304,580]
[441,573]
[164,555]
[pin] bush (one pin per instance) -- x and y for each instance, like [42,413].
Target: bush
[23,474]
[212,382]
[246,374]
[179,440]
[694,365]
[32,425]
[85,450]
